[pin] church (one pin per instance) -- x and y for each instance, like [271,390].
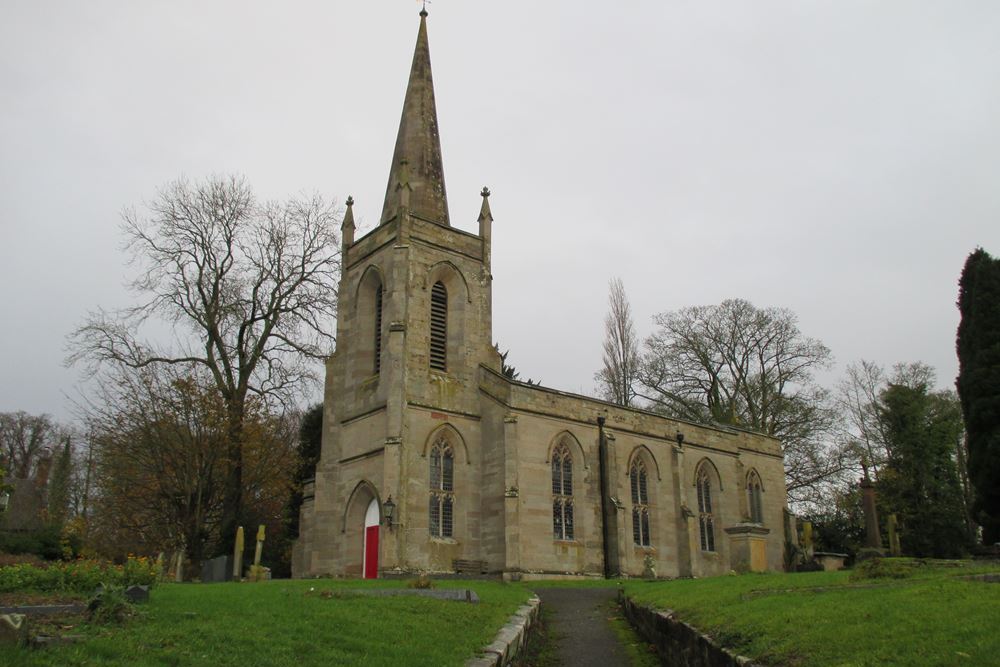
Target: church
[433,461]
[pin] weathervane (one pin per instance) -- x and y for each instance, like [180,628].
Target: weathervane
[423,6]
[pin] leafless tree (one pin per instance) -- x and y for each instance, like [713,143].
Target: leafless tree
[25,440]
[616,380]
[249,289]
[857,396]
[749,367]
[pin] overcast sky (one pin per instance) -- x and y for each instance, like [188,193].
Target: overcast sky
[838,158]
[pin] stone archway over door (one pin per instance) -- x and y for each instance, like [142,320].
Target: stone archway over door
[370,553]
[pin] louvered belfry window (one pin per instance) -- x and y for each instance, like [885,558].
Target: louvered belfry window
[442,486]
[562,493]
[378,330]
[640,504]
[706,521]
[439,327]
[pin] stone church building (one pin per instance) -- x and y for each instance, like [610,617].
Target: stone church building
[434,461]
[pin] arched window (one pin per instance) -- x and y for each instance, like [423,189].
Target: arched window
[378,329]
[640,504]
[442,489]
[562,493]
[439,327]
[755,505]
[706,522]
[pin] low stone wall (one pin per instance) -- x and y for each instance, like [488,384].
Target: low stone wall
[678,643]
[510,641]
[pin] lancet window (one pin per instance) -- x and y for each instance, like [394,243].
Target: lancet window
[562,493]
[755,504]
[378,330]
[638,480]
[442,489]
[706,520]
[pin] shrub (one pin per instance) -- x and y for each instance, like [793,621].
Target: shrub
[881,568]
[110,606]
[423,581]
[43,542]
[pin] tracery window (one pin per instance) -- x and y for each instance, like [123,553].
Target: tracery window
[442,488]
[706,520]
[378,329]
[755,505]
[640,503]
[439,327]
[562,493]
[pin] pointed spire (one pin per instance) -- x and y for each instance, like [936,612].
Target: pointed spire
[419,144]
[347,226]
[484,211]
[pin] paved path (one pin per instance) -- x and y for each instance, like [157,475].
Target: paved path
[578,620]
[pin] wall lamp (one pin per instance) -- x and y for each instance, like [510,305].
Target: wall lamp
[388,512]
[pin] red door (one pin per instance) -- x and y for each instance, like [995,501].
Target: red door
[370,552]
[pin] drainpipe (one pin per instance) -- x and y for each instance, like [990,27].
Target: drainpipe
[602,454]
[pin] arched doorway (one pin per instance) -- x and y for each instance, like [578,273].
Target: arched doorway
[370,552]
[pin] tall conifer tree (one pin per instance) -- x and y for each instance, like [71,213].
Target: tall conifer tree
[979,384]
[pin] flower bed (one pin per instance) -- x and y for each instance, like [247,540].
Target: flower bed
[79,576]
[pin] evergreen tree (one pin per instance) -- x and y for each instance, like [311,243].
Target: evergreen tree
[979,384]
[920,480]
[310,440]
[59,485]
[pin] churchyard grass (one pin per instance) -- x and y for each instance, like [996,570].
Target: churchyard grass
[935,616]
[300,622]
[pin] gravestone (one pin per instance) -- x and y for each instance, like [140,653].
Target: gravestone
[894,548]
[216,570]
[137,594]
[13,629]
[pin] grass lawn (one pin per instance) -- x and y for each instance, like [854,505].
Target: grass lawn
[290,623]
[933,617]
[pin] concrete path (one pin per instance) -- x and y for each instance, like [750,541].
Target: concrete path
[578,620]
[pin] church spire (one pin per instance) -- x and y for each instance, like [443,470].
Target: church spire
[418,144]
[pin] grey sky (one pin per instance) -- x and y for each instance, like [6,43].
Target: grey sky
[836,158]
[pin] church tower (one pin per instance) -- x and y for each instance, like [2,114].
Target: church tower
[413,328]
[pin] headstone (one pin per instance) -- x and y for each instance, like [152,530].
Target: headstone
[238,553]
[216,570]
[260,545]
[894,548]
[807,539]
[137,594]
[873,540]
[13,629]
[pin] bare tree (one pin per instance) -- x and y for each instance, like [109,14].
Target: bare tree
[857,397]
[749,367]
[617,380]
[25,440]
[248,288]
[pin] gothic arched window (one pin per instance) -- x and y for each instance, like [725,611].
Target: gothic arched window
[439,327]
[378,329]
[706,521]
[562,493]
[442,488]
[755,505]
[638,480]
